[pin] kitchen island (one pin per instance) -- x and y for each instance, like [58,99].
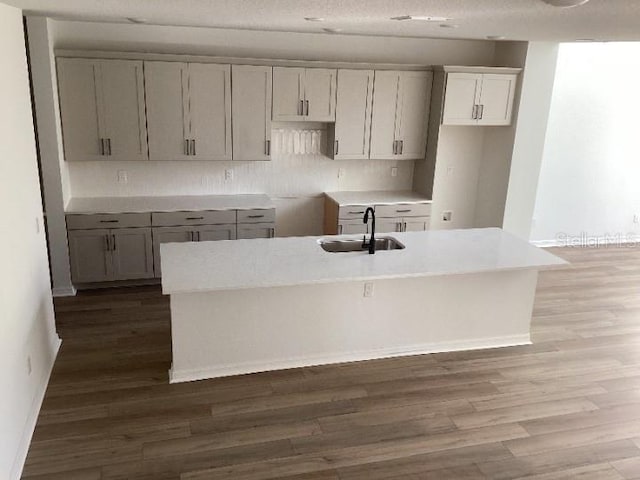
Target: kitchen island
[255,305]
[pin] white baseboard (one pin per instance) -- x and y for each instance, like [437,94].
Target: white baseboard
[177,376]
[545,243]
[69,291]
[30,424]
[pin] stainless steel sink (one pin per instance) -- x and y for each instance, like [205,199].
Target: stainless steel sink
[355,245]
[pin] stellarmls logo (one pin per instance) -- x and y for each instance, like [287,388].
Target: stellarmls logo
[584,239]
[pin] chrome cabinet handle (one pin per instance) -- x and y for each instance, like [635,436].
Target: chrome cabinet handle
[481,111]
[335,148]
[194,218]
[272,232]
[301,108]
[339,229]
[102,146]
[109,221]
[404,226]
[395,147]
[107,247]
[306,103]
[267,147]
[186,147]
[401,146]
[109,146]
[193,147]
[356,213]
[255,216]
[113,242]
[474,112]
[403,211]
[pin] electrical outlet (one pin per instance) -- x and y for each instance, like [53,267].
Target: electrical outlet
[29,369]
[340,172]
[636,218]
[394,171]
[447,216]
[228,175]
[368,290]
[123,176]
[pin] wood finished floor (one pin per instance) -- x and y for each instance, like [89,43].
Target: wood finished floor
[566,407]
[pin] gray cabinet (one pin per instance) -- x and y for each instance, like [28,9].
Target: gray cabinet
[400,114]
[188,110]
[304,94]
[251,112]
[256,230]
[99,255]
[102,109]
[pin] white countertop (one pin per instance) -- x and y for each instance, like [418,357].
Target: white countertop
[278,262]
[184,203]
[377,198]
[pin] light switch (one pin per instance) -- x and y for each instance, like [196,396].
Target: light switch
[228,175]
[123,176]
[394,171]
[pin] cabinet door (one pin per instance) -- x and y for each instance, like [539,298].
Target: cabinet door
[210,111]
[320,94]
[388,225]
[132,252]
[167,110]
[352,227]
[78,91]
[168,235]
[353,114]
[122,108]
[251,112]
[384,124]
[288,94]
[415,224]
[462,93]
[90,255]
[256,230]
[216,232]
[415,98]
[496,99]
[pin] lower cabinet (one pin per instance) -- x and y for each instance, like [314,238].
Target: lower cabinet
[129,249]
[188,234]
[352,227]
[102,255]
[256,230]
[399,224]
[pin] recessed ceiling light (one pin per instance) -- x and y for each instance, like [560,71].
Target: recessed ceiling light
[422,18]
[137,20]
[449,25]
[565,3]
[332,30]
[314,19]
[496,37]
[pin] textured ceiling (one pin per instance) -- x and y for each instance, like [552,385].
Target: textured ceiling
[513,19]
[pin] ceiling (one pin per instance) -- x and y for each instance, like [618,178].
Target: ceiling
[475,19]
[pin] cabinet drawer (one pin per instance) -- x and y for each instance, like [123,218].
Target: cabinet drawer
[207,217]
[352,212]
[404,210]
[257,216]
[108,220]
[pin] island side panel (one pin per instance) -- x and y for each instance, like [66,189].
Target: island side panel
[233,332]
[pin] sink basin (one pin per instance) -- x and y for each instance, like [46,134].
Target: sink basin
[355,245]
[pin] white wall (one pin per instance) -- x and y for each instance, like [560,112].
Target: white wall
[589,184]
[295,182]
[533,115]
[54,171]
[26,312]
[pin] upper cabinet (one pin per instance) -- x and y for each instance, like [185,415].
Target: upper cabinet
[188,111]
[102,109]
[251,112]
[352,131]
[304,94]
[400,114]
[479,98]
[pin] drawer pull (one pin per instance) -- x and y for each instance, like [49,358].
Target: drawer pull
[356,213]
[109,221]
[194,218]
[403,211]
[255,216]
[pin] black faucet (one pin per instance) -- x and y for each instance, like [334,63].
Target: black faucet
[372,241]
